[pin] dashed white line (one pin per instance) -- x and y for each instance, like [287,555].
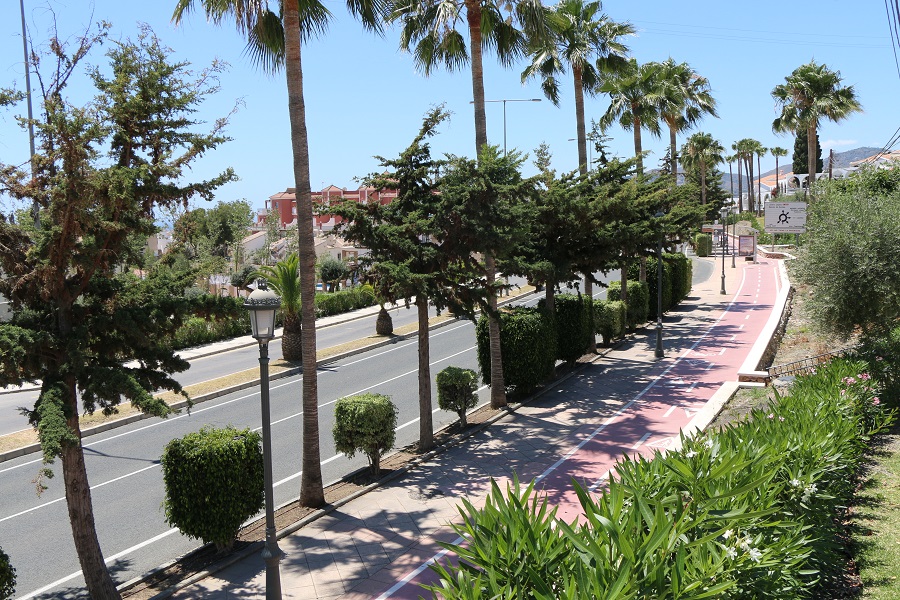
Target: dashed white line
[641,441]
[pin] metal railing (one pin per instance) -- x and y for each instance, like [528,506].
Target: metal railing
[806,366]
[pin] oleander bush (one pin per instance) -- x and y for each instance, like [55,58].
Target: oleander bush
[7,577]
[214,482]
[456,389]
[527,345]
[748,511]
[610,319]
[638,303]
[573,326]
[365,423]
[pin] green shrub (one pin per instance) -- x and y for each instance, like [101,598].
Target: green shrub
[528,346]
[336,303]
[214,482]
[610,318]
[638,304]
[682,275]
[748,511]
[573,327]
[365,423]
[652,278]
[363,296]
[7,577]
[456,389]
[703,244]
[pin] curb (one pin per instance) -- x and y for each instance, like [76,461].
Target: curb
[749,373]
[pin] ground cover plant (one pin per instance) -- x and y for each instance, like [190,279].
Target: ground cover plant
[748,511]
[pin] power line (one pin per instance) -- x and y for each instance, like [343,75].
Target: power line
[764,31]
[769,40]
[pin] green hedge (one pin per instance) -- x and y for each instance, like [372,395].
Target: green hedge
[456,389]
[7,577]
[365,423]
[573,326]
[703,244]
[682,276]
[652,278]
[528,346]
[214,482]
[638,301]
[611,319]
[335,303]
[749,511]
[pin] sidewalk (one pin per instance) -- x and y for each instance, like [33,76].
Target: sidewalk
[379,545]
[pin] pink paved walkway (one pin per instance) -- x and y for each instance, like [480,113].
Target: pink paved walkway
[380,545]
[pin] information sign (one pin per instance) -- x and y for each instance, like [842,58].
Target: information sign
[785,217]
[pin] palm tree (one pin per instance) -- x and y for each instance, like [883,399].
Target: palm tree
[746,148]
[580,35]
[636,93]
[687,99]
[760,151]
[738,156]
[812,92]
[777,152]
[429,30]
[274,40]
[284,279]
[702,152]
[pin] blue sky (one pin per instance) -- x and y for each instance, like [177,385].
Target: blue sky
[365,98]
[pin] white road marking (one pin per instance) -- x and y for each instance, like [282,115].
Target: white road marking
[641,441]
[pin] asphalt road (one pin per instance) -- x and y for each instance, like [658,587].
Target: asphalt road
[125,475]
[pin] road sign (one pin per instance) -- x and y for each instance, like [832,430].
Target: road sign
[785,217]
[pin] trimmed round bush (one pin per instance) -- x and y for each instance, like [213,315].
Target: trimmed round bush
[7,577]
[365,423]
[528,346]
[703,244]
[214,482]
[638,304]
[573,327]
[456,389]
[610,319]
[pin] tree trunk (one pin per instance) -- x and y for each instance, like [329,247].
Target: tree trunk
[812,150]
[751,203]
[583,168]
[638,149]
[759,200]
[703,183]
[777,188]
[740,186]
[384,325]
[550,298]
[672,155]
[473,17]
[426,428]
[311,490]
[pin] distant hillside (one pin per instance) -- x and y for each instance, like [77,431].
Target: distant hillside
[841,159]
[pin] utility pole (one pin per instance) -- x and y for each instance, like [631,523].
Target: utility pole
[34,207]
[830,162]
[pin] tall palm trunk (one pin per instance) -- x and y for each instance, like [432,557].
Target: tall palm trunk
[759,183]
[426,428]
[812,150]
[777,185]
[311,490]
[473,16]
[638,148]
[97,579]
[751,204]
[672,153]
[740,186]
[583,167]
[703,182]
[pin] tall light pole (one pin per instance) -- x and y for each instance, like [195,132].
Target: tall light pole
[659,271]
[35,214]
[262,305]
[724,214]
[504,101]
[590,138]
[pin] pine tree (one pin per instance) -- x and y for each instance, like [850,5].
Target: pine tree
[801,155]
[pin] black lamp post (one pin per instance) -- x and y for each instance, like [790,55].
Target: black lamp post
[262,305]
[659,270]
[504,101]
[724,214]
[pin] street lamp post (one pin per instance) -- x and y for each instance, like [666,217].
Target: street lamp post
[504,101]
[589,138]
[659,270]
[724,214]
[262,305]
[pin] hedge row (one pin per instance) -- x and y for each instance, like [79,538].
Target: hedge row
[610,319]
[528,346]
[638,303]
[198,331]
[573,326]
[749,511]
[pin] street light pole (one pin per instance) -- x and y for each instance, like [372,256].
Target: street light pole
[724,242]
[659,270]
[504,101]
[262,305]
[35,210]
